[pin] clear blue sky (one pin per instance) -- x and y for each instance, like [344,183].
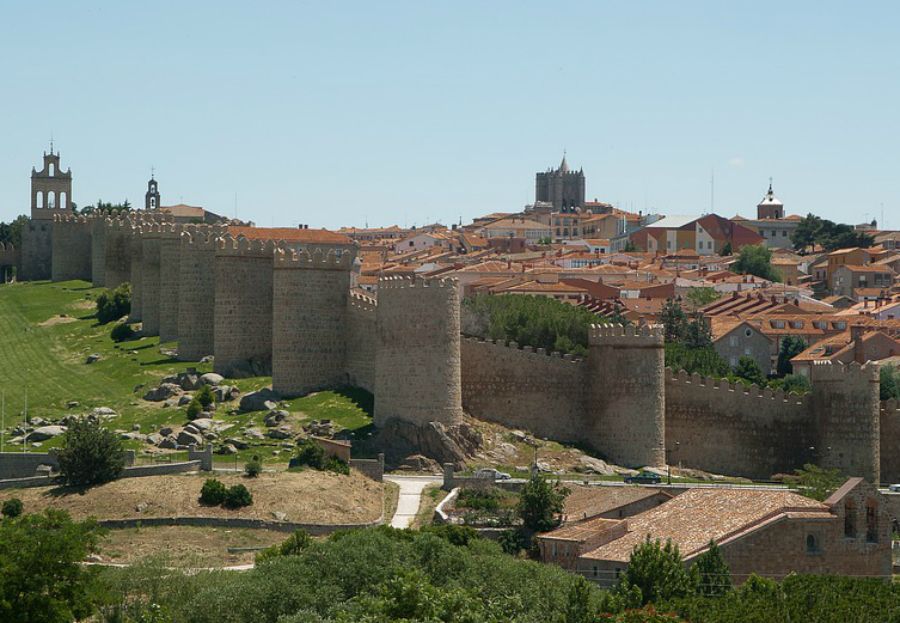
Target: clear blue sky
[388,112]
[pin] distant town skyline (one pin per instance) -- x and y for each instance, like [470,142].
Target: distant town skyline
[408,113]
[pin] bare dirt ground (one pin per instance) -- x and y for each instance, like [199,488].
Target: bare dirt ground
[183,546]
[303,497]
[55,320]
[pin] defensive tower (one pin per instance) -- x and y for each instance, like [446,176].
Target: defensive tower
[71,248]
[310,326]
[417,370]
[150,239]
[627,408]
[197,293]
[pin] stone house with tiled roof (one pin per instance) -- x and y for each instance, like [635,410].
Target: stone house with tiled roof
[768,532]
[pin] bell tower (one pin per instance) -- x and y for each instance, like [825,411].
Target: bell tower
[51,189]
[151,199]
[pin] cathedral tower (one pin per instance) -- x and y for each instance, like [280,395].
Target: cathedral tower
[561,187]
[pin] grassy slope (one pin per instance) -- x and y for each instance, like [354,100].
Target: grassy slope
[46,360]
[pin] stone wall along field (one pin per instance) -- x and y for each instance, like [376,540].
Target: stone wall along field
[98,250]
[361,341]
[525,388]
[137,276]
[37,250]
[71,252]
[119,232]
[417,370]
[310,292]
[243,307]
[889,433]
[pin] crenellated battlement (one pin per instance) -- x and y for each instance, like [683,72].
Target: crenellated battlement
[362,302]
[71,218]
[398,282]
[736,390]
[828,371]
[318,259]
[528,351]
[199,240]
[626,336]
[245,247]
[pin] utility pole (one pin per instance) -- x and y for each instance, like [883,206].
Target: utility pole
[24,437]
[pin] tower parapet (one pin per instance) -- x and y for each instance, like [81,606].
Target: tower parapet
[626,406]
[310,292]
[417,371]
[845,409]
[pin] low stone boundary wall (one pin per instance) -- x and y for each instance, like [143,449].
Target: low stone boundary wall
[373,468]
[22,483]
[129,472]
[440,515]
[234,522]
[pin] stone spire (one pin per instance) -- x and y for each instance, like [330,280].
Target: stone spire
[564,166]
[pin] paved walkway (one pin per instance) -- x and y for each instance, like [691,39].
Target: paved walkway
[411,488]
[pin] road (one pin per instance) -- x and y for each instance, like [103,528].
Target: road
[411,488]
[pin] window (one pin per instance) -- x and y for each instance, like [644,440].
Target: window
[784,233]
[871,522]
[51,169]
[849,519]
[733,340]
[596,571]
[748,332]
[812,544]
[747,350]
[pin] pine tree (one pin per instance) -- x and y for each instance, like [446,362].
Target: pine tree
[713,573]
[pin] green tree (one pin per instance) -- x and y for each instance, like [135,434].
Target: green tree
[237,496]
[726,250]
[700,297]
[205,396]
[41,578]
[253,467]
[674,320]
[756,259]
[816,482]
[796,383]
[91,454]
[294,545]
[890,382]
[12,508]
[540,503]
[697,334]
[213,492]
[629,247]
[791,346]
[194,409]
[805,234]
[748,370]
[704,361]
[713,574]
[12,232]
[657,571]
[113,304]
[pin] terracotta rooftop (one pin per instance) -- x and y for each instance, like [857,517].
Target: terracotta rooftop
[697,516]
[581,531]
[290,234]
[585,502]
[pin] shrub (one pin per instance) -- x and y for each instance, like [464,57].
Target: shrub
[292,546]
[540,502]
[712,572]
[514,541]
[91,454]
[122,332]
[194,409]
[253,467]
[205,396]
[336,465]
[237,496]
[113,304]
[310,454]
[212,493]
[456,535]
[479,500]
[657,572]
[12,508]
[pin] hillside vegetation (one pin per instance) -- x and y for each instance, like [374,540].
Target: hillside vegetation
[48,331]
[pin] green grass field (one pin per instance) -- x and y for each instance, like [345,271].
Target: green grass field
[47,331]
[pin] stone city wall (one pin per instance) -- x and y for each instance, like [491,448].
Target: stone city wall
[197,295]
[37,251]
[243,307]
[727,428]
[525,388]
[361,338]
[417,360]
[119,232]
[137,275]
[310,327]
[71,248]
[889,434]
[98,249]
[10,260]
[169,280]
[150,276]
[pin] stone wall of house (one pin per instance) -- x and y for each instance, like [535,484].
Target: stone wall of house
[169,280]
[845,409]
[119,232]
[310,292]
[626,409]
[150,278]
[727,428]
[71,248]
[361,341]
[243,307]
[889,435]
[525,388]
[197,295]
[417,359]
